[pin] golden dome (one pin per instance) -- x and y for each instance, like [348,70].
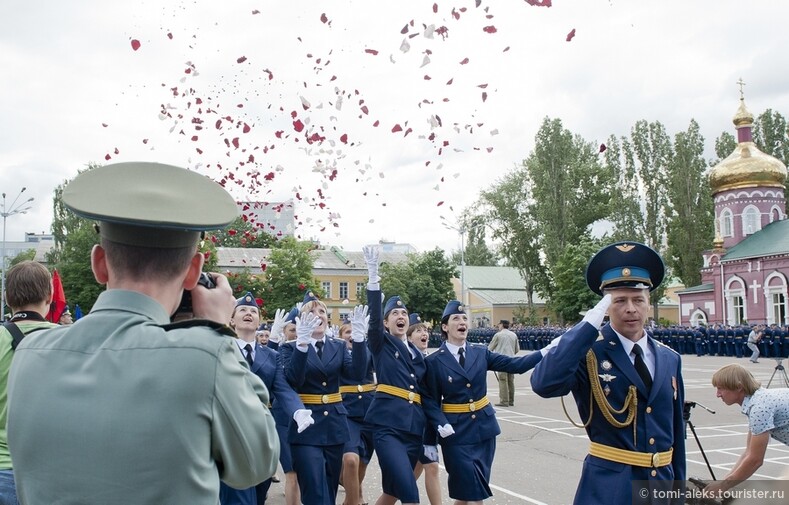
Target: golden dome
[747,166]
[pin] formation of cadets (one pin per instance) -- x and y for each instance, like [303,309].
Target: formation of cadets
[724,340]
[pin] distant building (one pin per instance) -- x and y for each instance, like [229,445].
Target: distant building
[744,275]
[40,242]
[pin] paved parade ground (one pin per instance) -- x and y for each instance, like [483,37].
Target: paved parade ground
[539,452]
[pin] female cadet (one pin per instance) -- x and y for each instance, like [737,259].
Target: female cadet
[457,403]
[356,396]
[284,329]
[419,335]
[266,364]
[313,366]
[396,411]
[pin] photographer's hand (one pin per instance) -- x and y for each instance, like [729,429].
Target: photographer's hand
[215,304]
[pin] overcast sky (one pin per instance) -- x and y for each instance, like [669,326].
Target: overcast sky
[381,120]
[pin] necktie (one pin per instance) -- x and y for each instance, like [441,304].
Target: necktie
[462,356]
[641,366]
[319,347]
[248,356]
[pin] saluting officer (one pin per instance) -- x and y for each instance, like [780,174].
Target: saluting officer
[628,388]
[458,405]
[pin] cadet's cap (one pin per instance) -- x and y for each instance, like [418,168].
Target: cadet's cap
[413,319]
[150,204]
[264,327]
[394,302]
[248,299]
[309,296]
[625,265]
[453,307]
[292,315]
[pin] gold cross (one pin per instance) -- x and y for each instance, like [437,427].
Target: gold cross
[741,83]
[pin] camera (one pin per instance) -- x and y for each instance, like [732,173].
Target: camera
[185,307]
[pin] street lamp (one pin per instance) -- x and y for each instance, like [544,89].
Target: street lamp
[11,210]
[462,229]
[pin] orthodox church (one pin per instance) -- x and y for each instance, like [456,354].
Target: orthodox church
[744,276]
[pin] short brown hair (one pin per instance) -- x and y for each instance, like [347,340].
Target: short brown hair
[735,377]
[136,262]
[411,329]
[27,283]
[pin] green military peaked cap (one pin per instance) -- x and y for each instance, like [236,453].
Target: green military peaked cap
[150,204]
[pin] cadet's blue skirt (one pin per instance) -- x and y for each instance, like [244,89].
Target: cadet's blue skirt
[468,467]
[361,440]
[285,458]
[398,452]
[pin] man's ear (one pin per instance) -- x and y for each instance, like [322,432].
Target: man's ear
[98,263]
[193,274]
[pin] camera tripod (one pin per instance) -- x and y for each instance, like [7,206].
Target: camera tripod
[688,422]
[779,368]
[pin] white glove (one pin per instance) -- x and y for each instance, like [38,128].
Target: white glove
[305,327]
[303,418]
[446,430]
[431,453]
[278,326]
[551,345]
[596,315]
[360,321]
[371,258]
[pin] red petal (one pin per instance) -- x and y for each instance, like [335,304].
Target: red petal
[246,128]
[489,29]
[344,138]
[324,19]
[135,44]
[241,59]
[371,51]
[107,157]
[602,148]
[439,204]
[435,8]
[298,125]
[169,35]
[571,35]
[464,61]
[255,11]
[397,128]
[104,125]
[235,142]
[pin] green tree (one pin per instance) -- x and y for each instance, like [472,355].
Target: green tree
[74,240]
[476,251]
[423,281]
[690,229]
[625,208]
[569,187]
[572,295]
[289,274]
[28,255]
[724,146]
[771,135]
[241,233]
[506,206]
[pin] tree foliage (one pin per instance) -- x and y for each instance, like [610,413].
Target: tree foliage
[506,206]
[289,275]
[572,295]
[569,187]
[28,255]
[423,281]
[690,223]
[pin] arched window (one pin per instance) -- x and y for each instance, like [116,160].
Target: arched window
[737,310]
[775,214]
[751,220]
[698,318]
[775,298]
[727,225]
